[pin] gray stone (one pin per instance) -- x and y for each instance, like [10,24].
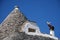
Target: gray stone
[11,26]
[23,36]
[12,23]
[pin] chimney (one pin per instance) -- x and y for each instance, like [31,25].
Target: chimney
[51,28]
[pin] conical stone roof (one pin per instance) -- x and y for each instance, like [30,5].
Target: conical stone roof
[12,22]
[9,28]
[15,17]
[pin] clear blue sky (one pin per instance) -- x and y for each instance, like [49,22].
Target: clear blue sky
[35,10]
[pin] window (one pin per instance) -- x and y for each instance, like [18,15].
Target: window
[31,30]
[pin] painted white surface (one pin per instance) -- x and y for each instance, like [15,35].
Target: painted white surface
[44,35]
[16,8]
[33,26]
[52,32]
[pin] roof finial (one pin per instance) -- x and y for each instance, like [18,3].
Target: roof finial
[16,7]
[48,22]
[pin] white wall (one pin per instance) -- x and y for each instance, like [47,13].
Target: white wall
[33,26]
[52,32]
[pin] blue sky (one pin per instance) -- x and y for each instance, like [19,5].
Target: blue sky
[39,11]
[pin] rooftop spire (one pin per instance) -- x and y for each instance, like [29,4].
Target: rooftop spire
[51,27]
[48,22]
[16,7]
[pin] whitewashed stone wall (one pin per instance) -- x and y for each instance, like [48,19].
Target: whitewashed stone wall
[31,25]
